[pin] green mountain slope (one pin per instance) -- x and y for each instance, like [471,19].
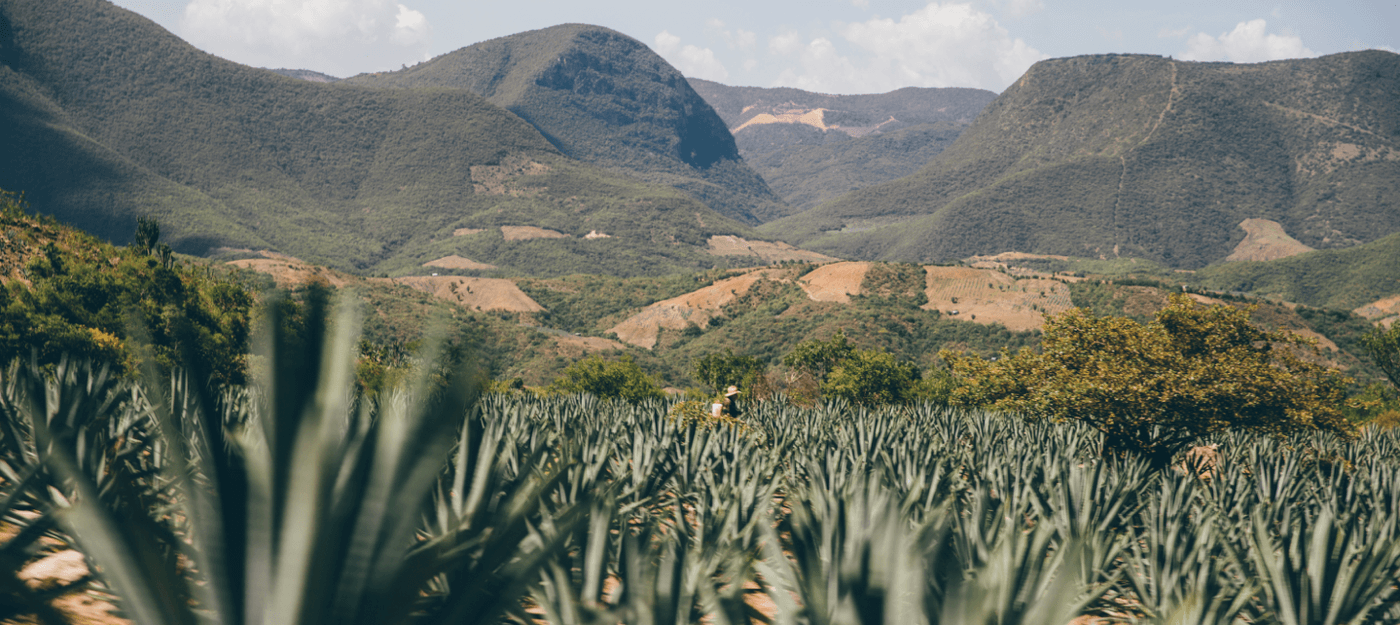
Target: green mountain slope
[1147,157]
[605,98]
[808,175]
[106,116]
[1345,278]
[813,147]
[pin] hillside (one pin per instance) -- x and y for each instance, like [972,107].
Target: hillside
[1346,278]
[1147,157]
[108,117]
[812,147]
[605,98]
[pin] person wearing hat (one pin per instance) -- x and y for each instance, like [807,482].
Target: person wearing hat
[727,405]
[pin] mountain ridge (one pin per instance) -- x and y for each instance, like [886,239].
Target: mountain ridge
[1143,156]
[605,98]
[113,118]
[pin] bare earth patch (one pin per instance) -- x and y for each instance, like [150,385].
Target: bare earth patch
[836,282]
[1382,312]
[495,179]
[1265,240]
[291,272]
[697,307]
[457,262]
[524,233]
[474,293]
[729,245]
[461,232]
[987,297]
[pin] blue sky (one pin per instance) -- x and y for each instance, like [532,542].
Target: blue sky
[833,46]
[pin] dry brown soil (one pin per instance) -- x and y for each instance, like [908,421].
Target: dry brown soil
[836,282]
[1382,312]
[987,297]
[696,307]
[457,262]
[474,293]
[525,233]
[1265,240]
[729,245]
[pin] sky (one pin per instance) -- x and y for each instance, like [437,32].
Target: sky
[829,46]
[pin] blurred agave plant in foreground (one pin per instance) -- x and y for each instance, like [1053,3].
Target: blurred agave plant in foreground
[295,500]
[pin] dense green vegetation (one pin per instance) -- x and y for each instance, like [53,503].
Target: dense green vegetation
[1145,157]
[605,98]
[324,505]
[1153,389]
[808,175]
[108,118]
[66,295]
[1345,278]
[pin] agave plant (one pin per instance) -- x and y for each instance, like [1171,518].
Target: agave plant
[299,500]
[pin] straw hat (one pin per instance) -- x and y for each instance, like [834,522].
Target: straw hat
[731,391]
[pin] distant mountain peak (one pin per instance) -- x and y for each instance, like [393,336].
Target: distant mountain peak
[606,98]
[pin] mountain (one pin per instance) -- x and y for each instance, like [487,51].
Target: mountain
[812,147]
[1147,157]
[106,117]
[605,98]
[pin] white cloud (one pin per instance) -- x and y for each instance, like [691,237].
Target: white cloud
[940,45]
[692,61]
[737,39]
[785,43]
[341,37]
[1249,42]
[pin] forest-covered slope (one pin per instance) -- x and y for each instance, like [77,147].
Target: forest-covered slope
[106,117]
[1147,157]
[605,98]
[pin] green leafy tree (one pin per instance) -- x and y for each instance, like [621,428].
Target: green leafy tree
[872,377]
[1154,388]
[719,371]
[1384,347]
[608,379]
[819,358]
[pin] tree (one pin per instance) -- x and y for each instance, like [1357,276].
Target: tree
[718,371]
[1384,347]
[147,234]
[616,379]
[872,377]
[1154,388]
[817,357]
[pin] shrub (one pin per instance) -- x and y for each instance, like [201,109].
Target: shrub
[616,379]
[872,377]
[1154,388]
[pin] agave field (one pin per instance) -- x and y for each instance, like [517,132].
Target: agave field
[299,500]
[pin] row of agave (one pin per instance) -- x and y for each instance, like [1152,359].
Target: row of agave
[300,500]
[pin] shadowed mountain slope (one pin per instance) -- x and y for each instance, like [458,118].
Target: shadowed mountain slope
[106,117]
[1147,157]
[605,98]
